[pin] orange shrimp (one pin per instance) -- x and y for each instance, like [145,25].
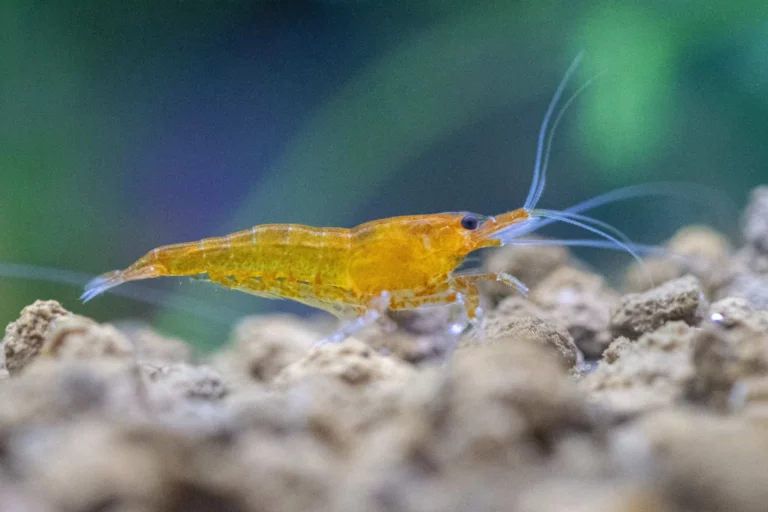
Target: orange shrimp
[397,263]
[357,274]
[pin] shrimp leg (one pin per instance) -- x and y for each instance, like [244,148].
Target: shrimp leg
[502,277]
[466,284]
[296,291]
[375,309]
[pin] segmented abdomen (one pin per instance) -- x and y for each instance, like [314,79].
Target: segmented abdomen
[271,252]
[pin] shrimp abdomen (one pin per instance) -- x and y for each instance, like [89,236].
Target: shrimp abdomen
[271,254]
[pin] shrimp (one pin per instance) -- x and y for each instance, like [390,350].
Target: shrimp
[397,263]
[358,274]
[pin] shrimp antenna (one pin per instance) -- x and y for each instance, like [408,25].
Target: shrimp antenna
[553,130]
[537,221]
[641,249]
[539,171]
[588,224]
[694,192]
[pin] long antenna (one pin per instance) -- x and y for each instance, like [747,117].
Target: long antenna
[539,173]
[550,138]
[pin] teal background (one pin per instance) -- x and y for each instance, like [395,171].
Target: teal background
[129,125]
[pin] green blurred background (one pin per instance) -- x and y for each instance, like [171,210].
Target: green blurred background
[129,125]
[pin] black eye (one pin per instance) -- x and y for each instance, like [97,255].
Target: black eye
[470,222]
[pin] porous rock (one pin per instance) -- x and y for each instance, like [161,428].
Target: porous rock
[189,381]
[78,337]
[746,284]
[422,321]
[732,349]
[154,348]
[54,391]
[334,420]
[24,337]
[518,381]
[736,312]
[351,362]
[89,465]
[344,389]
[746,274]
[581,302]
[416,336]
[520,306]
[638,376]
[410,347]
[585,495]
[696,250]
[475,437]
[187,396]
[96,465]
[20,498]
[638,313]
[698,461]
[262,346]
[509,326]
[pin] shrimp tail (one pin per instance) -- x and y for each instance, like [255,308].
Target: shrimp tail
[104,282]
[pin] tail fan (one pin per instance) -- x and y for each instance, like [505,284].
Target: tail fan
[161,298]
[102,283]
[139,270]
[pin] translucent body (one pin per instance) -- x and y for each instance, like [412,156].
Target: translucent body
[412,259]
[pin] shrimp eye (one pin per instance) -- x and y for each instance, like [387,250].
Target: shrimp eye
[470,222]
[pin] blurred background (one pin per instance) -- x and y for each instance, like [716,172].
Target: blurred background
[129,125]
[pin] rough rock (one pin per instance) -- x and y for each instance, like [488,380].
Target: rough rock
[344,389]
[697,461]
[521,306]
[262,346]
[743,281]
[638,376]
[410,347]
[517,381]
[476,437]
[736,312]
[731,349]
[422,321]
[580,495]
[89,465]
[638,313]
[746,274]
[187,396]
[154,348]
[196,382]
[78,337]
[417,336]
[53,391]
[696,250]
[97,465]
[506,326]
[351,362]
[24,337]
[581,302]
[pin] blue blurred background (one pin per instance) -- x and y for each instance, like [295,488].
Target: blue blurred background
[129,125]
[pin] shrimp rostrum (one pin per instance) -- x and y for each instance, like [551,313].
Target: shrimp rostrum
[389,264]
